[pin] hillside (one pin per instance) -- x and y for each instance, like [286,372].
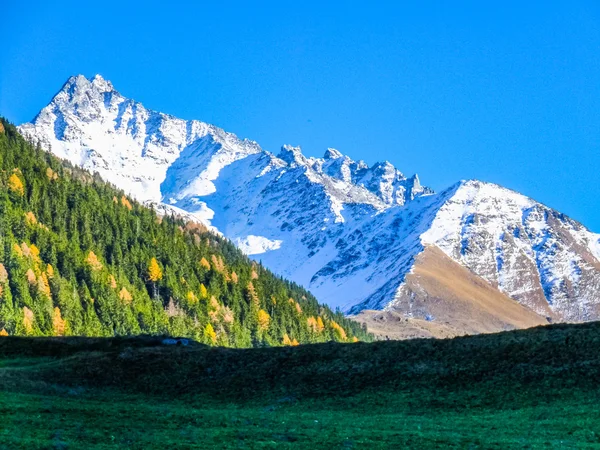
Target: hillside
[438,287]
[533,388]
[79,257]
[352,233]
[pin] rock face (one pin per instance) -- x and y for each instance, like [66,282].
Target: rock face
[349,232]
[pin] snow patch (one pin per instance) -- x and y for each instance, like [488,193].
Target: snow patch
[257,245]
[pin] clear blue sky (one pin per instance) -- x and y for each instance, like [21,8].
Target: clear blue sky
[450,90]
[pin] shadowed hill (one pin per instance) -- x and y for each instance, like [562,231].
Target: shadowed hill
[554,356]
[535,388]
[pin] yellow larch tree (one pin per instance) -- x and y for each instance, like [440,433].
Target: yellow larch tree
[93,262]
[338,330]
[126,203]
[253,295]
[209,334]
[28,319]
[203,291]
[15,185]
[320,325]
[311,322]
[43,286]
[227,314]
[3,274]
[154,271]
[30,218]
[59,325]
[204,263]
[191,298]
[35,252]
[125,296]
[286,340]
[214,303]
[31,278]
[25,250]
[263,320]
[214,309]
[154,274]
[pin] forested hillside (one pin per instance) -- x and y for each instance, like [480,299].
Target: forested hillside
[78,257]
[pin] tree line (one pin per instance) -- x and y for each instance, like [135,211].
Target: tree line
[79,257]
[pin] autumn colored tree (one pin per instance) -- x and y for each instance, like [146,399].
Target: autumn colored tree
[191,298]
[93,262]
[3,274]
[203,291]
[15,185]
[126,203]
[59,325]
[264,319]
[28,319]
[340,333]
[155,274]
[286,340]
[209,334]
[125,296]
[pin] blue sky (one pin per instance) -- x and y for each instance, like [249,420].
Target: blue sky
[450,90]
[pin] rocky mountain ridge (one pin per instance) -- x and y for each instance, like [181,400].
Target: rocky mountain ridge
[349,232]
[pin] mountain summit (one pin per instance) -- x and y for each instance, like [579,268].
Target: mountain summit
[475,257]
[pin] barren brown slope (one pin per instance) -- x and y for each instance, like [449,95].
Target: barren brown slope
[441,298]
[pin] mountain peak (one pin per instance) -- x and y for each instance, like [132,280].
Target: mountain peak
[101,83]
[332,153]
[292,155]
[81,83]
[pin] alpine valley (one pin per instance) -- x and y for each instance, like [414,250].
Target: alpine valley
[368,240]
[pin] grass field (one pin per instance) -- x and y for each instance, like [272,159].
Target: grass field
[536,388]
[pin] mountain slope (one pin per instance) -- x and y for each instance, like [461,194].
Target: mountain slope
[536,255]
[443,299]
[78,257]
[349,232]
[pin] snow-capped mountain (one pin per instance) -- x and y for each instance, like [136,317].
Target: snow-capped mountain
[349,232]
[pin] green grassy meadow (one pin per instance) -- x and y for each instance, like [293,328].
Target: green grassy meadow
[536,388]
